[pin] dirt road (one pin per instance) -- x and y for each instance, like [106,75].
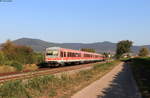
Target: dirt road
[118,83]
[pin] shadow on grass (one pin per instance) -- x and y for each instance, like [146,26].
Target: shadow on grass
[122,86]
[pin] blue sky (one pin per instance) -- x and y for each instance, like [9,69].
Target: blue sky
[76,21]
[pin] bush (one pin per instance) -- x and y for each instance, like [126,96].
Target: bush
[17,65]
[20,53]
[144,52]
[38,57]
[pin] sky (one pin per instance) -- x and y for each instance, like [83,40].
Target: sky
[76,21]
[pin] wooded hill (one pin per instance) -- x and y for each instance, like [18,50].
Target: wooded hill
[39,45]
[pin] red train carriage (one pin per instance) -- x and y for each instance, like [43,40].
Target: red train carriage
[61,56]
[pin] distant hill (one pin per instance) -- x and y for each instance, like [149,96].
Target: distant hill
[36,44]
[40,45]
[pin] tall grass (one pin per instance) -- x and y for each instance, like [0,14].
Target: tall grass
[6,69]
[52,86]
[30,67]
[13,89]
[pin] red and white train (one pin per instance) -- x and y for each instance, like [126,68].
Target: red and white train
[60,56]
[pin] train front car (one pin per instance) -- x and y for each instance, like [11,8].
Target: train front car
[52,56]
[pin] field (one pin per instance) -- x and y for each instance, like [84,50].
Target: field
[141,71]
[54,87]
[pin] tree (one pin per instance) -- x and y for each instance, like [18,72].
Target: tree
[144,52]
[107,55]
[88,50]
[123,47]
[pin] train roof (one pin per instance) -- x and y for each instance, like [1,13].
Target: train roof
[53,48]
[57,48]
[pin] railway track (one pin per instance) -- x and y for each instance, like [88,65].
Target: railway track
[27,75]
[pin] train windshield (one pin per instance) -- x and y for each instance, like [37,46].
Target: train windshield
[52,53]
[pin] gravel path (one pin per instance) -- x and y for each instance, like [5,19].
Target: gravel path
[118,83]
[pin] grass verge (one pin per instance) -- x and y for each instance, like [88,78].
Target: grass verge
[141,72]
[51,86]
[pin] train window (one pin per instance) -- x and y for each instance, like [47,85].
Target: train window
[79,55]
[84,55]
[52,53]
[64,54]
[61,54]
[69,54]
[74,55]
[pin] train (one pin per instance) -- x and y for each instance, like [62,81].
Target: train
[57,56]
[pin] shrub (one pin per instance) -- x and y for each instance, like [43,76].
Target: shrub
[17,65]
[20,53]
[38,57]
[144,52]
